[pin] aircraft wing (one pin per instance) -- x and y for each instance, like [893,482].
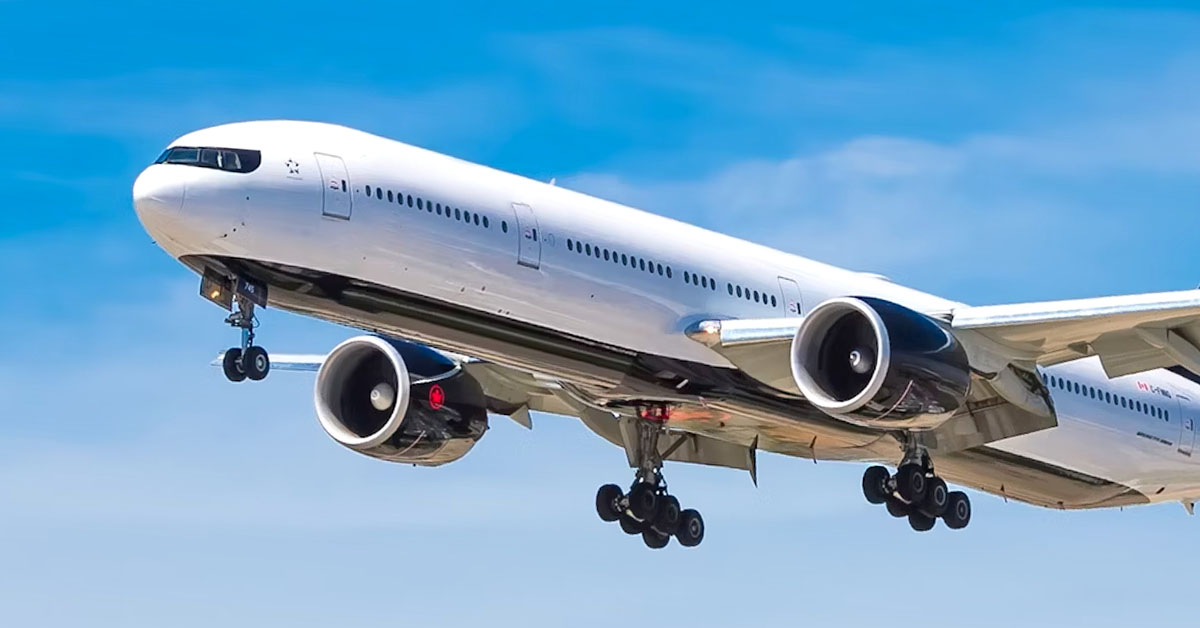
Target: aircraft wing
[514,393]
[1130,334]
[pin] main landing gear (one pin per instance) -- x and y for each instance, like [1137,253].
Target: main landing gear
[648,509]
[248,361]
[917,493]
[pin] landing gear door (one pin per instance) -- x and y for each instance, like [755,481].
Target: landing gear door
[529,251]
[335,186]
[1187,426]
[791,297]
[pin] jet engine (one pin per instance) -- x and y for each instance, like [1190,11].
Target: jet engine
[399,401]
[875,363]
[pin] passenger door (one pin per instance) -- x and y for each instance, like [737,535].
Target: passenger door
[529,250]
[336,201]
[1187,426]
[791,297]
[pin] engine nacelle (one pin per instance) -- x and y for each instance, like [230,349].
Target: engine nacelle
[873,362]
[399,401]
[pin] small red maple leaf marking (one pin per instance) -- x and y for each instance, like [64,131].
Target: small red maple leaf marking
[437,397]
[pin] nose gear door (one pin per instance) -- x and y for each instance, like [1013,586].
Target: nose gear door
[529,249]
[336,199]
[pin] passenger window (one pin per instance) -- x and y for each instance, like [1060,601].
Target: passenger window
[475,219]
[420,203]
[588,247]
[739,291]
[624,260]
[390,197]
[642,263]
[773,302]
[660,269]
[457,214]
[485,221]
[668,272]
[343,185]
[379,193]
[606,255]
[686,277]
[504,226]
[570,245]
[368,190]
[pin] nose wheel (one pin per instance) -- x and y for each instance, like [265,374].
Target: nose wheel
[916,493]
[249,361]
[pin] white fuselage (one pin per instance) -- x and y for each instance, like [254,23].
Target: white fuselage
[589,268]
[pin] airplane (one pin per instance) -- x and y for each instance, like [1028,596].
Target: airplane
[483,293]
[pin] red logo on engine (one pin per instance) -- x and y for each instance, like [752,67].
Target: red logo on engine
[437,397]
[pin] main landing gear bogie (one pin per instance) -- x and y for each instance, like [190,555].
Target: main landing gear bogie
[915,492]
[648,509]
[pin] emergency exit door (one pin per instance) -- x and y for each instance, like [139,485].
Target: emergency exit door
[336,199]
[529,250]
[1187,426]
[791,297]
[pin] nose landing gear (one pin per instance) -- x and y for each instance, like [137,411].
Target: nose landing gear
[249,361]
[648,509]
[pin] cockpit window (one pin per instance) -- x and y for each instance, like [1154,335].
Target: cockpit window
[227,159]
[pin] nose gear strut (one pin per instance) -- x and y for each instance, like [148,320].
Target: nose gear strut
[249,361]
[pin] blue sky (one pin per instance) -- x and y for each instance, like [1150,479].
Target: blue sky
[988,154]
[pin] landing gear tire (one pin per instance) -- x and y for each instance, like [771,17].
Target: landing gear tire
[655,539]
[897,508]
[631,526]
[691,528]
[232,365]
[920,521]
[937,497]
[608,502]
[874,484]
[958,511]
[643,501]
[911,482]
[256,363]
[667,521]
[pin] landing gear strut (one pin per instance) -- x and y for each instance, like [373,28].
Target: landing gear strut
[916,492]
[648,509]
[248,361]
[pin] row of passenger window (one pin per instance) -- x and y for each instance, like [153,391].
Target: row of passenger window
[631,261]
[752,295]
[650,266]
[470,218]
[1102,395]
[700,281]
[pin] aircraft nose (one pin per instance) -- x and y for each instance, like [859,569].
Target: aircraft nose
[157,192]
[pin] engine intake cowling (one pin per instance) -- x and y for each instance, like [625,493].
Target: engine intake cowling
[399,401]
[876,363]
